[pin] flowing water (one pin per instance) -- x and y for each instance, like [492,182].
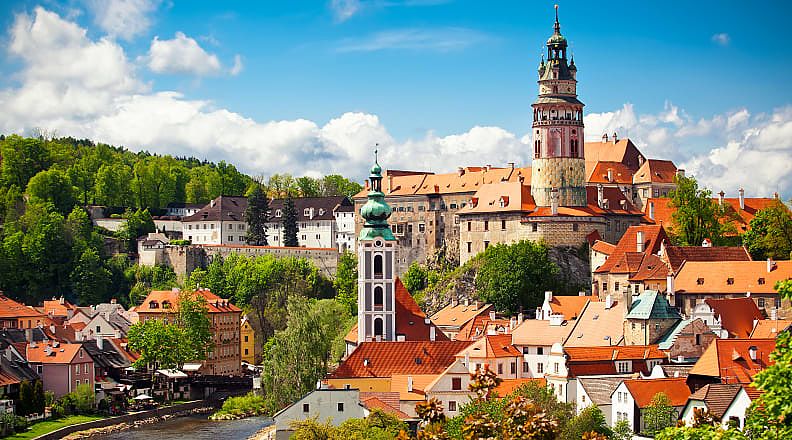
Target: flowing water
[193,427]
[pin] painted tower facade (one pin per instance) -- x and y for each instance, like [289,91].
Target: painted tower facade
[376,267]
[558,166]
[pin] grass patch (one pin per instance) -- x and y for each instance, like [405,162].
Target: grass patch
[240,407]
[47,426]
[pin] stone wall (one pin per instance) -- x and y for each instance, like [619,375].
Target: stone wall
[567,174]
[692,340]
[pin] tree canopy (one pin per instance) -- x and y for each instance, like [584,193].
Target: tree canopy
[770,233]
[696,216]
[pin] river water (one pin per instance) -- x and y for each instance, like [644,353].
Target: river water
[193,428]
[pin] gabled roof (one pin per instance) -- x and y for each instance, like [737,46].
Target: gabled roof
[155,300]
[737,315]
[652,267]
[676,255]
[570,306]
[459,314]
[622,150]
[643,390]
[769,328]
[373,402]
[312,208]
[655,171]
[107,357]
[385,359]
[491,347]
[739,277]
[620,173]
[730,359]
[652,304]
[501,197]
[58,307]
[539,332]
[603,247]
[507,386]
[222,208]
[597,325]
[606,353]
[621,261]
[717,396]
[478,326]
[663,211]
[12,309]
[58,353]
[599,389]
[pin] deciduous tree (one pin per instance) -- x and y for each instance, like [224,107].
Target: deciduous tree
[770,233]
[696,216]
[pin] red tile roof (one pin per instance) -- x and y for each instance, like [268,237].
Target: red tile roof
[490,347]
[737,315]
[478,326]
[12,309]
[570,306]
[385,359]
[652,268]
[507,386]
[663,212]
[603,247]
[620,174]
[157,298]
[373,403]
[730,359]
[613,353]
[60,354]
[737,277]
[656,171]
[769,328]
[653,236]
[622,150]
[676,255]
[55,307]
[643,390]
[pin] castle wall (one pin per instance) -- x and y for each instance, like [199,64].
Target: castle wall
[565,173]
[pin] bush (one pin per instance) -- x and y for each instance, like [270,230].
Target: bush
[180,242]
[238,407]
[20,424]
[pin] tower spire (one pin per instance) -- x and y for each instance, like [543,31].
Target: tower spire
[557,26]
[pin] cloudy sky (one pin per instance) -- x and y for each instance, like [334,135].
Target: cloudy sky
[308,87]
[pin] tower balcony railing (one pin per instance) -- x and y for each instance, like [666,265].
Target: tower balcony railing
[545,122]
[379,307]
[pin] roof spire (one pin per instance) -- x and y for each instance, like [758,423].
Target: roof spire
[557,26]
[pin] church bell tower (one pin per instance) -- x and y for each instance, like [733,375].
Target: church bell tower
[559,165]
[376,266]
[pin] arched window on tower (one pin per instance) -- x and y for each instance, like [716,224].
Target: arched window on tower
[378,327]
[378,298]
[537,148]
[377,266]
[574,148]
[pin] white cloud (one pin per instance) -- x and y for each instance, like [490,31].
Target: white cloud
[236,69]
[722,38]
[344,9]
[96,93]
[123,18]
[438,40]
[182,54]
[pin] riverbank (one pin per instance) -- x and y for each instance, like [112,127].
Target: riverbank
[128,421]
[197,427]
[44,427]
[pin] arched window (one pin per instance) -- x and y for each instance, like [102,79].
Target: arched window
[378,298]
[555,89]
[378,328]
[378,266]
[538,148]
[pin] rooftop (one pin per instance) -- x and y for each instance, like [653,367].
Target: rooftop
[643,390]
[459,314]
[730,359]
[598,325]
[385,359]
[167,301]
[717,396]
[652,304]
[655,171]
[737,315]
[625,257]
[769,328]
[739,277]
[490,347]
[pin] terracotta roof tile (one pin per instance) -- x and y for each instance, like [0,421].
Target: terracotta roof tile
[154,302]
[459,314]
[769,328]
[52,354]
[652,268]
[730,360]
[373,403]
[570,306]
[623,151]
[12,309]
[507,386]
[620,173]
[385,359]
[653,236]
[676,255]
[603,247]
[717,396]
[400,383]
[477,327]
[643,390]
[656,171]
[597,325]
[491,347]
[539,332]
[55,307]
[738,277]
[501,197]
[737,315]
[663,212]
[620,353]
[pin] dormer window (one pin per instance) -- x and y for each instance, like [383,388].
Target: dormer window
[306,212]
[761,281]
[700,281]
[153,305]
[321,211]
[166,304]
[730,281]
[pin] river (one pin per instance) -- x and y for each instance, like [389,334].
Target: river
[193,428]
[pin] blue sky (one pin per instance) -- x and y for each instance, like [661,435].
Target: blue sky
[683,79]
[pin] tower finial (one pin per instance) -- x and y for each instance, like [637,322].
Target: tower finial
[557,26]
[376,151]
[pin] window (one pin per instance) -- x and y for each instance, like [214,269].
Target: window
[500,368]
[452,406]
[534,227]
[421,228]
[81,354]
[486,225]
[698,339]
[340,406]
[575,227]
[85,368]
[699,281]
[513,368]
[306,407]
[246,338]
[230,226]
[555,368]
[40,369]
[761,281]
[246,352]
[730,281]
[539,350]
[623,367]
[378,266]
[378,330]
[778,303]
[616,286]
[486,244]
[469,247]
[77,369]
[526,368]
[77,382]
[456,383]
[540,368]
[760,302]
[378,298]
[503,225]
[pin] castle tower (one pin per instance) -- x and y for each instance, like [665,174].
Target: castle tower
[376,266]
[558,163]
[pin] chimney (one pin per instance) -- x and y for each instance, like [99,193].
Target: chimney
[432,333]
[112,301]
[367,184]
[581,293]
[511,165]
[460,171]
[427,321]
[680,172]
[628,299]
[29,335]
[466,302]
[454,302]
[512,323]
[554,201]
[605,137]
[212,203]
[100,342]
[770,265]
[556,319]
[651,210]
[720,197]
[520,318]
[742,199]
[366,362]
[706,243]
[752,352]
[52,328]
[639,241]
[478,304]
[610,174]
[467,359]
[390,182]
[492,315]
[608,302]
[600,195]
[548,296]
[773,314]
[487,167]
[670,283]
[61,300]
[409,384]
[615,138]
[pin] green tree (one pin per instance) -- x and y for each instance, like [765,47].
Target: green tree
[90,279]
[770,233]
[345,282]
[23,158]
[336,185]
[416,278]
[25,404]
[295,358]
[39,399]
[193,318]
[114,185]
[308,187]
[622,430]
[257,216]
[290,228]
[591,419]
[696,216]
[82,175]
[84,398]
[513,277]
[138,224]
[157,343]
[659,414]
[52,186]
